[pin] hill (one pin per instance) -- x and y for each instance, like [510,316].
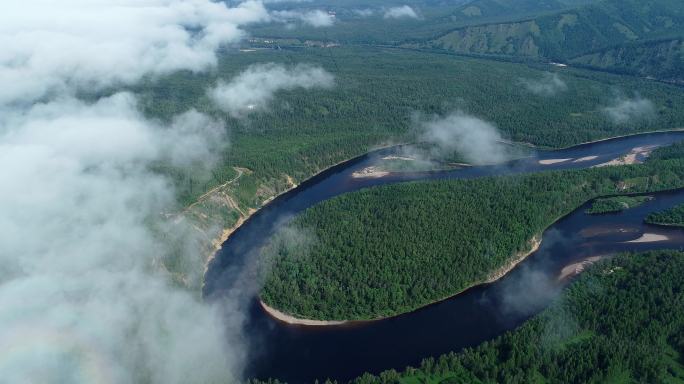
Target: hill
[629,36]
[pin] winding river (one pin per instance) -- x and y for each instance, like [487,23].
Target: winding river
[298,354]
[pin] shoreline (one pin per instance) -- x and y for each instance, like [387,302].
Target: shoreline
[493,276]
[679,129]
[226,232]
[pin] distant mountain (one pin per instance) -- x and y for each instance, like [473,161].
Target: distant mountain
[632,36]
[662,59]
[487,10]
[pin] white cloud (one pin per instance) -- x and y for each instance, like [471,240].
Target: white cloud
[315,18]
[253,89]
[82,296]
[624,111]
[50,47]
[364,12]
[478,141]
[81,299]
[550,84]
[402,12]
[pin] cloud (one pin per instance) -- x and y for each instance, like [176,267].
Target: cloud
[478,141]
[83,295]
[364,12]
[402,12]
[253,89]
[550,84]
[315,18]
[51,48]
[81,298]
[625,111]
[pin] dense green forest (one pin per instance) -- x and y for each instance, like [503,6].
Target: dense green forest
[377,93]
[662,59]
[616,204]
[671,217]
[620,322]
[625,36]
[391,249]
[364,22]
[571,33]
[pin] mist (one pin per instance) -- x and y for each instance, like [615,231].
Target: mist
[401,12]
[254,89]
[533,287]
[316,18]
[630,110]
[550,84]
[478,141]
[84,296]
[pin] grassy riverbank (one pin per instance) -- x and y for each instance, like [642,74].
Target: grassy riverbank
[388,250]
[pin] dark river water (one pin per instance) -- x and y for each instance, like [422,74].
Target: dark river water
[299,354]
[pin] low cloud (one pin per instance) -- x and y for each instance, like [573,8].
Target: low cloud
[51,48]
[254,89]
[478,141]
[83,229]
[316,18]
[625,111]
[82,297]
[365,12]
[550,84]
[402,12]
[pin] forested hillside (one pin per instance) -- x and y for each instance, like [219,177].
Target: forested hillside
[378,92]
[630,36]
[375,98]
[621,322]
[661,59]
[388,250]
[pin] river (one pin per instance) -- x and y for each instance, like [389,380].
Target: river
[298,354]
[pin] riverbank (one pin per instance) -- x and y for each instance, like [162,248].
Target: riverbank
[519,257]
[225,233]
[416,304]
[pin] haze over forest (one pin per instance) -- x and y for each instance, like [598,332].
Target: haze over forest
[145,146]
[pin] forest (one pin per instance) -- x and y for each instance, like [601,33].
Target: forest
[378,94]
[388,250]
[616,204]
[669,217]
[620,322]
[623,36]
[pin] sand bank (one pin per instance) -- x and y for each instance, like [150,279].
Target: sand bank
[632,157]
[370,172]
[398,158]
[649,238]
[553,161]
[575,269]
[276,314]
[585,158]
